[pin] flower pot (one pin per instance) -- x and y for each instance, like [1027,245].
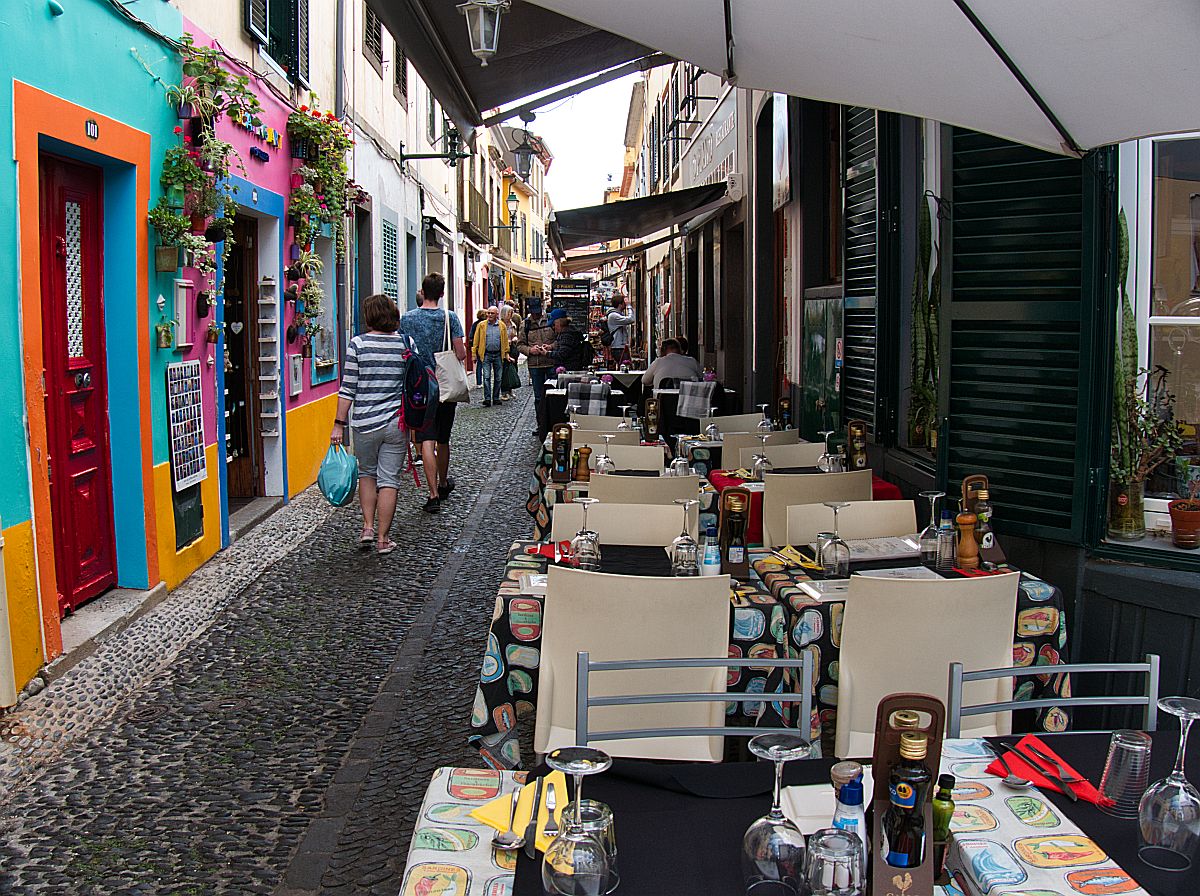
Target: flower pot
[306,352]
[1185,523]
[203,303]
[166,335]
[175,196]
[166,259]
[214,333]
[314,155]
[293,332]
[300,307]
[215,233]
[185,111]
[299,147]
[291,274]
[199,223]
[196,125]
[297,180]
[1126,513]
[294,252]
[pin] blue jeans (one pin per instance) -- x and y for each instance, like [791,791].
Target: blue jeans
[537,379]
[493,371]
[478,372]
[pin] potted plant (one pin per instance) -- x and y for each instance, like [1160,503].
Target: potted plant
[170,226]
[213,334]
[165,333]
[1185,518]
[309,264]
[1144,432]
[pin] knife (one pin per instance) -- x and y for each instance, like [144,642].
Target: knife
[531,828]
[1058,767]
[1050,776]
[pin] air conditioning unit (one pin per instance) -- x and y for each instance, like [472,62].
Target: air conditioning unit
[736,186]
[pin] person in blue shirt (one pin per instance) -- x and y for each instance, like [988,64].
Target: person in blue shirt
[426,324]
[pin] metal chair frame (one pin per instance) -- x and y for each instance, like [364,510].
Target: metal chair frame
[955,709]
[584,701]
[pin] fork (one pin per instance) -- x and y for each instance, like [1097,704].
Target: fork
[1065,776]
[551,828]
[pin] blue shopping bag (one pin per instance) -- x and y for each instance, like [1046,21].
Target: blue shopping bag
[339,476]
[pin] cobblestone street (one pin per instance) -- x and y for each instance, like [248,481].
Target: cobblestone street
[271,726]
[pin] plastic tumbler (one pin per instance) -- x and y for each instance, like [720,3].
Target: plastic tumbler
[1126,772]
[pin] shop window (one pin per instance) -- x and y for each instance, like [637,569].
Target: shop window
[373,39]
[400,74]
[281,28]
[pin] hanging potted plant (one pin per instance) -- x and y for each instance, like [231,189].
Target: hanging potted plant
[213,333]
[306,351]
[309,264]
[1144,432]
[1185,518]
[170,226]
[203,303]
[165,333]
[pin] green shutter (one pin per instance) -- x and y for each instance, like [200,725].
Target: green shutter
[300,70]
[1017,331]
[861,233]
[256,19]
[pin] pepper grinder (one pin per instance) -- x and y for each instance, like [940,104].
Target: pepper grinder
[967,555]
[583,470]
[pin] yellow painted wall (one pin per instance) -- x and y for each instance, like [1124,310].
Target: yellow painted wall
[24,614]
[175,566]
[307,441]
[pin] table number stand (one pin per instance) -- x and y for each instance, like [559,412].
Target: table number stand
[887,880]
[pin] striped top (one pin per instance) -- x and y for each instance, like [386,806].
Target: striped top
[373,378]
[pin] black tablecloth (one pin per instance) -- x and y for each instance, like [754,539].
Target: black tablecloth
[680,825]
[1119,837]
[634,560]
[800,470]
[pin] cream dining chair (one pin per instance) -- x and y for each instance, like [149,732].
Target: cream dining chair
[734,443]
[862,519]
[597,421]
[733,423]
[631,618]
[804,454]
[900,636]
[617,489]
[595,437]
[633,524]
[636,457]
[782,490]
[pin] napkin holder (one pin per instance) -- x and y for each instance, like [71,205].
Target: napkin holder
[650,421]
[885,879]
[561,469]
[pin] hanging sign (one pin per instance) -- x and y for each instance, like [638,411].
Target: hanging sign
[185,412]
[573,297]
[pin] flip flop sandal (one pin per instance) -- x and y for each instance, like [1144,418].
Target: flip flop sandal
[366,540]
[387,548]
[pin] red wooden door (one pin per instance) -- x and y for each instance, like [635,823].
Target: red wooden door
[75,388]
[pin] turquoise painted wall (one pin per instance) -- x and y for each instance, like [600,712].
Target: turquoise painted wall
[94,57]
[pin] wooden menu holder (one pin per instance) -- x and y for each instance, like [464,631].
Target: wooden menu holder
[971,486]
[885,879]
[650,421]
[736,570]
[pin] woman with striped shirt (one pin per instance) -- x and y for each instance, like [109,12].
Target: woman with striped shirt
[373,383]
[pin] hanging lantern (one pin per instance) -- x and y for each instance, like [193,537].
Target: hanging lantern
[483,26]
[512,204]
[524,155]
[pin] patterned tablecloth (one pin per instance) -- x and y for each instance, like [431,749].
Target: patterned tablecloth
[508,676]
[1040,637]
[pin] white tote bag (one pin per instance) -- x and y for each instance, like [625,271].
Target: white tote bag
[451,375]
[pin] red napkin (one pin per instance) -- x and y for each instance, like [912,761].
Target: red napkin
[1026,768]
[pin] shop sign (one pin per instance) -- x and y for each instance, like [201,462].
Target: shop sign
[270,136]
[712,155]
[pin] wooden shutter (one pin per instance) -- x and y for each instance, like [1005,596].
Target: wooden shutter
[390,259]
[1018,364]
[861,270]
[256,19]
[300,66]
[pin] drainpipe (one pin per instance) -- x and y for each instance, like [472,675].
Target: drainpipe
[339,89]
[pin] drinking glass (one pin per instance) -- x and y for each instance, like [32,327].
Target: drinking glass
[773,847]
[598,821]
[761,463]
[764,425]
[928,539]
[685,553]
[1126,773]
[1169,813]
[576,862]
[712,432]
[834,863]
[585,546]
[624,424]
[825,461]
[605,464]
[835,556]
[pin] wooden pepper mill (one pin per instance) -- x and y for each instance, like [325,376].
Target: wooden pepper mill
[583,470]
[967,555]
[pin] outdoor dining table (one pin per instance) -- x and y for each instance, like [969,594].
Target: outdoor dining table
[881,490]
[1039,637]
[680,825]
[508,678]
[669,423]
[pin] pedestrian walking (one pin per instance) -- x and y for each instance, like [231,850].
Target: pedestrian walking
[480,317]
[618,323]
[510,379]
[535,341]
[490,348]
[426,324]
[373,386]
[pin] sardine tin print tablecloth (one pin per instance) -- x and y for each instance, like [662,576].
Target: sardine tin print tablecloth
[508,678]
[1039,638]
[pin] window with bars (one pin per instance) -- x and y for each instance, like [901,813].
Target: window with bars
[373,39]
[400,73]
[281,28]
[390,260]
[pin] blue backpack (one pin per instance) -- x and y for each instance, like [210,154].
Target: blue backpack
[419,405]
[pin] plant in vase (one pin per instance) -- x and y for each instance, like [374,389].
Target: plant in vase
[170,226]
[1144,432]
[221,92]
[1185,518]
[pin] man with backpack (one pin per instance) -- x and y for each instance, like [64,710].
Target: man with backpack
[616,335]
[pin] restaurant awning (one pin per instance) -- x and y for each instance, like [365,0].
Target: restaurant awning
[539,49]
[1062,76]
[631,218]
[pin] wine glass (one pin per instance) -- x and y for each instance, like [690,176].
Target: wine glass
[835,557]
[585,546]
[773,847]
[761,463]
[685,553]
[712,432]
[764,425]
[928,538]
[576,863]
[1169,812]
[573,423]
[604,463]
[624,424]
[679,463]
[824,462]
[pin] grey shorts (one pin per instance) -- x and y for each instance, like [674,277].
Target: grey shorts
[381,455]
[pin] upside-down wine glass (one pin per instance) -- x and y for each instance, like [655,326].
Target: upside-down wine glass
[773,847]
[1169,812]
[679,463]
[576,863]
[835,555]
[573,423]
[761,463]
[685,553]
[585,546]
[928,538]
[825,461]
[624,424]
[764,425]
[604,463]
[712,432]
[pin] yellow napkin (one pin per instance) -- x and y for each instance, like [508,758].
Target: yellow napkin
[495,813]
[796,557]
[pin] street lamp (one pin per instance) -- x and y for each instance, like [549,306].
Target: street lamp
[483,26]
[452,154]
[512,204]
[524,151]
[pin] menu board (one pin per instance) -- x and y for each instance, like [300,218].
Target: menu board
[573,297]
[185,413]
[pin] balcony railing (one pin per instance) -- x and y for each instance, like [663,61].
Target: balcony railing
[503,240]
[479,214]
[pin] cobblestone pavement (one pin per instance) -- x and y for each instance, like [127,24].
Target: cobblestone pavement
[272,725]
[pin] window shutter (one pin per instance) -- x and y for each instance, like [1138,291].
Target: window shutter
[861,253]
[256,19]
[401,73]
[301,53]
[1017,332]
[390,257]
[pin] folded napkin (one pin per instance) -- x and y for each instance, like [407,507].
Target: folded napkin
[495,813]
[1035,770]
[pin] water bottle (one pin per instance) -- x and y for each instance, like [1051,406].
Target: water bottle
[946,549]
[710,564]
